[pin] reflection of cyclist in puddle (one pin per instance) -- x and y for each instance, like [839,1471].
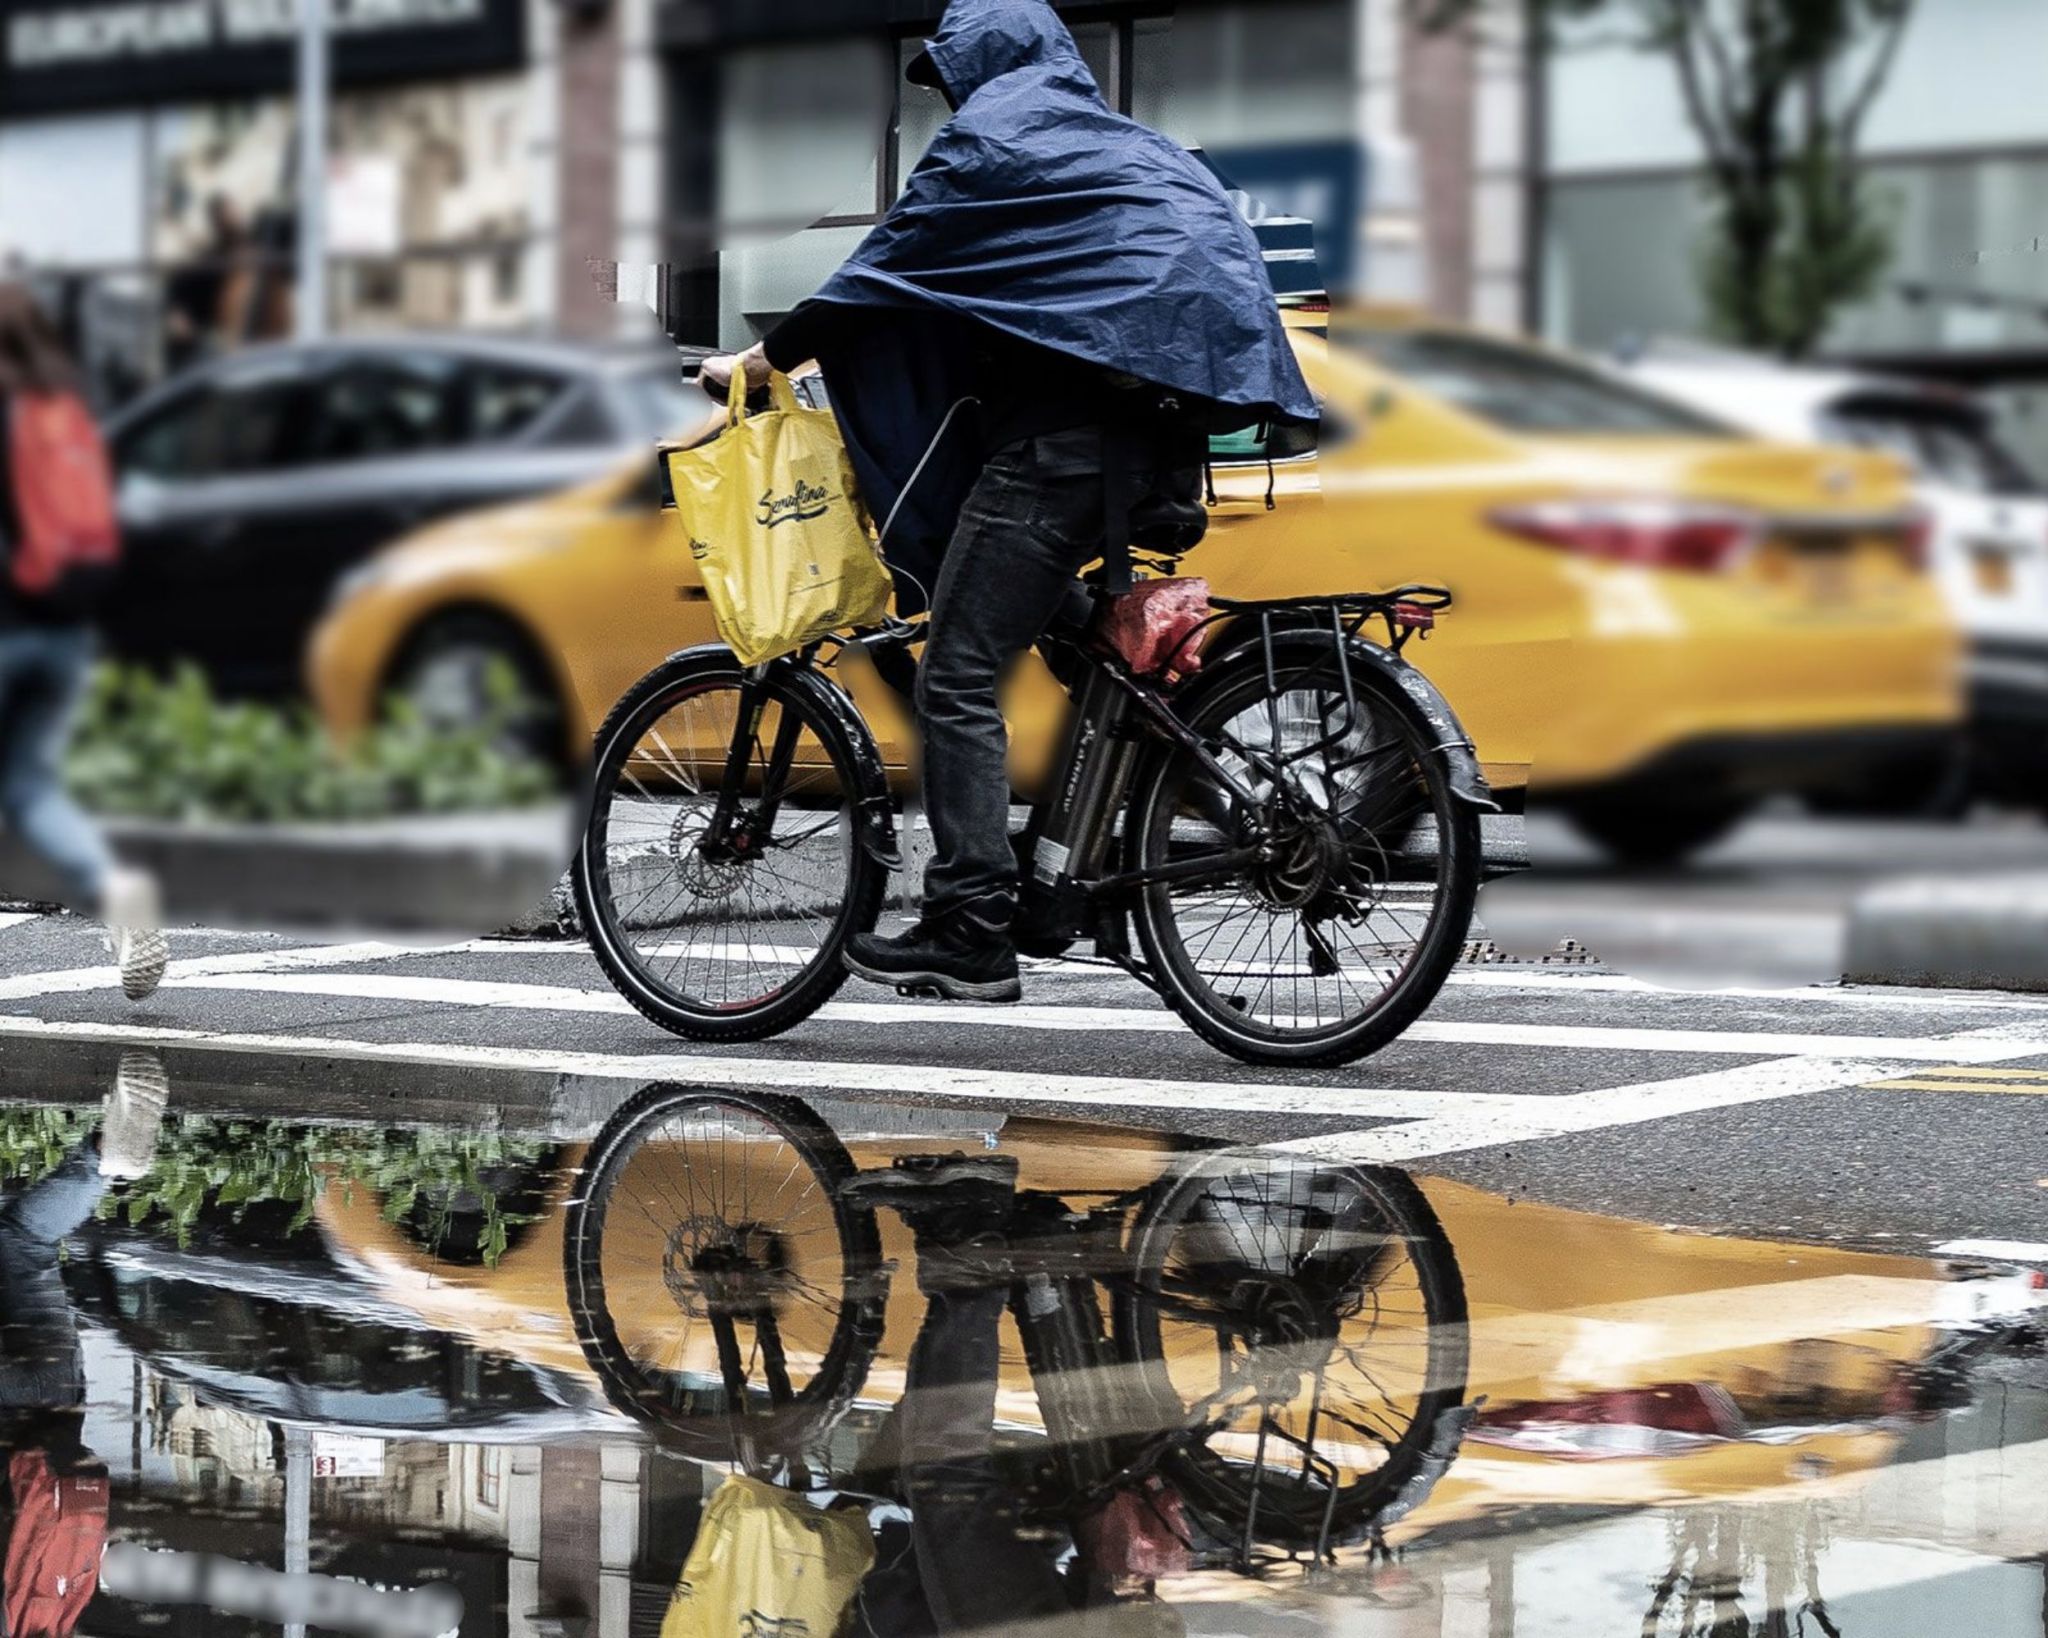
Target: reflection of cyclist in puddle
[975,1564]
[54,1522]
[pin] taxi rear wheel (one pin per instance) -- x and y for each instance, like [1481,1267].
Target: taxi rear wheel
[469,667]
[1652,834]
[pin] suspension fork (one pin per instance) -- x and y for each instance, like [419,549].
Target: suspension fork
[732,1365]
[746,735]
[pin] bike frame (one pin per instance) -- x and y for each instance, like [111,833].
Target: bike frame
[1119,712]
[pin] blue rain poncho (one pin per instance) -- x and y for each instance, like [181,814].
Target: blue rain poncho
[1040,212]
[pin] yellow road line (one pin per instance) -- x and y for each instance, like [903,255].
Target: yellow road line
[1923,1083]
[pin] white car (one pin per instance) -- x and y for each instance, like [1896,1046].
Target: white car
[1988,543]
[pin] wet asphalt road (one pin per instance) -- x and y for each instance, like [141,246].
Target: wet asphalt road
[1769,1108]
[1828,1412]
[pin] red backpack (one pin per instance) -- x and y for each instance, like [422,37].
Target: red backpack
[51,1567]
[67,543]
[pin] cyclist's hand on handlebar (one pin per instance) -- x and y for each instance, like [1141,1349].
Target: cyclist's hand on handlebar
[715,374]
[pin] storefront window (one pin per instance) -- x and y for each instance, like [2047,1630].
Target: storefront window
[800,138]
[1246,74]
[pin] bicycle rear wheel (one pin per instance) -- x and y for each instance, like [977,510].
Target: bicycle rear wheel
[722,1291]
[724,925]
[1316,1309]
[1331,948]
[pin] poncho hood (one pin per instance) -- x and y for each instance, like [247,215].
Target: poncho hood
[980,41]
[1040,212]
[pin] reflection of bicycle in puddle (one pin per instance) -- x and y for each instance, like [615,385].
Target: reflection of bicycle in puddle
[1281,1339]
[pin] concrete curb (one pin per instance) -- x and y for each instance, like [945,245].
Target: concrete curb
[477,873]
[1989,932]
[468,872]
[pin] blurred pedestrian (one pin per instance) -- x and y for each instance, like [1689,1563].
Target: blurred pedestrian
[195,296]
[59,544]
[53,1526]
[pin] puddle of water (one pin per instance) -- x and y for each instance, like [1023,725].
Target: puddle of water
[409,1354]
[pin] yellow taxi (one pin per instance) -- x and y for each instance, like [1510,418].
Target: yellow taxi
[1605,1362]
[1660,620]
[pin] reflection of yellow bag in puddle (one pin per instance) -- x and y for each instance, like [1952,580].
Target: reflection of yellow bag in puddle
[767,1562]
[772,517]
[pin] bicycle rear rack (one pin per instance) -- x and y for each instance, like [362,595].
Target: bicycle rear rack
[1407,610]
[1248,1563]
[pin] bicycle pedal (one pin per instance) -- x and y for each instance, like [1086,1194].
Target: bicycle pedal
[921,992]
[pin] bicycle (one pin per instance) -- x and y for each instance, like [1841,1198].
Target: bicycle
[1285,1339]
[1292,832]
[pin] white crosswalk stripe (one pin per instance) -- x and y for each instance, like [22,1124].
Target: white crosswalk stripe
[1394,1123]
[1976,1047]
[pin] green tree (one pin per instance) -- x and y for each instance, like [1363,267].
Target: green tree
[1778,93]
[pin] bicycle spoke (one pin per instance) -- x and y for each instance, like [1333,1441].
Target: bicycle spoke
[690,905]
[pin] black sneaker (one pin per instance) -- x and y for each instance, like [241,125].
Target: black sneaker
[957,1209]
[964,954]
[977,1192]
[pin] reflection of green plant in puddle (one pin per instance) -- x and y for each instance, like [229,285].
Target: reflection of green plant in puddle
[424,1179]
[35,1139]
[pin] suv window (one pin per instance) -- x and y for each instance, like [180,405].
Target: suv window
[383,407]
[1524,389]
[663,403]
[220,429]
[505,400]
[1951,446]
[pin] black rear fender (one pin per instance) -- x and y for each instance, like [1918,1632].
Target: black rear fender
[1393,681]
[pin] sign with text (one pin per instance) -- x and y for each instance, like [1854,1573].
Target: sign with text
[1324,183]
[65,55]
[347,1456]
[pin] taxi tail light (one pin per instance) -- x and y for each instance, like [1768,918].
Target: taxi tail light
[1916,539]
[1650,533]
[1663,1420]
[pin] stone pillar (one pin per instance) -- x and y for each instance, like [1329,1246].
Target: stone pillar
[522,1541]
[1502,186]
[538,274]
[1390,249]
[618,1537]
[589,51]
[1437,101]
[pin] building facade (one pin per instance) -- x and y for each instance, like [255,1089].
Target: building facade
[1404,150]
[600,168]
[1958,143]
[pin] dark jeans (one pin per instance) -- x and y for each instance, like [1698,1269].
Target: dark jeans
[977,1568]
[1033,522]
[41,1365]
[43,673]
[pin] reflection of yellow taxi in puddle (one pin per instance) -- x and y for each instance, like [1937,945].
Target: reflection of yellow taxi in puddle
[1661,618]
[1608,1362]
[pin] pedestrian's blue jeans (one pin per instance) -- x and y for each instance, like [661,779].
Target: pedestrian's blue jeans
[42,676]
[41,1365]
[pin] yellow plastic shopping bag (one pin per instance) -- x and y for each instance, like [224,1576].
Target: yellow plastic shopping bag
[766,1561]
[777,528]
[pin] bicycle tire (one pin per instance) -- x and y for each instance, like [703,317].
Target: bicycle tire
[1219,1490]
[1223,697]
[660,1000]
[708,1429]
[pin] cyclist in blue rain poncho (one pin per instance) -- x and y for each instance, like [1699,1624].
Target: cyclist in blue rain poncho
[1026,356]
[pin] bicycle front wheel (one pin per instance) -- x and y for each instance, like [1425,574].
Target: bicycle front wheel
[721,872]
[1334,943]
[722,1290]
